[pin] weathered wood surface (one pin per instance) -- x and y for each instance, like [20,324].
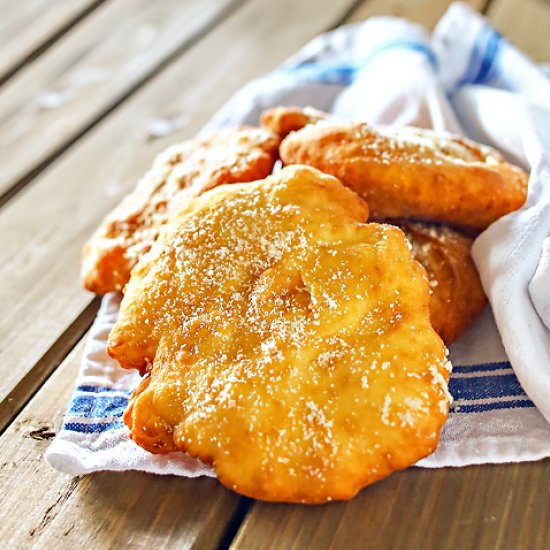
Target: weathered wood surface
[28,26]
[110,509]
[43,291]
[35,377]
[526,23]
[41,508]
[88,72]
[481,507]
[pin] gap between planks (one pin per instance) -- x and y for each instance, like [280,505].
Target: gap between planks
[59,28]
[27,387]
[486,6]
[39,155]
[489,506]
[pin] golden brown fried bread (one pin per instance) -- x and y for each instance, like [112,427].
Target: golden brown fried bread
[457,296]
[286,342]
[283,120]
[412,172]
[182,171]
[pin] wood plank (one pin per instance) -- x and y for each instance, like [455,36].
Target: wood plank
[504,507]
[29,26]
[423,12]
[43,228]
[43,508]
[525,23]
[88,72]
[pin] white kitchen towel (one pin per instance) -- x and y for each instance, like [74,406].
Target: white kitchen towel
[467,79]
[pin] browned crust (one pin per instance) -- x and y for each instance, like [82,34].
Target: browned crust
[457,296]
[156,436]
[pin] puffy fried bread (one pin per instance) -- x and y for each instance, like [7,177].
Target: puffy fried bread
[283,120]
[284,341]
[182,171]
[412,172]
[457,296]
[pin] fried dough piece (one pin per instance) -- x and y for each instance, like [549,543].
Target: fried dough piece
[412,172]
[182,171]
[286,343]
[457,296]
[283,120]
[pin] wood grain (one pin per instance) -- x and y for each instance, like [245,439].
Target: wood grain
[43,228]
[423,12]
[504,507]
[28,26]
[88,72]
[43,508]
[526,23]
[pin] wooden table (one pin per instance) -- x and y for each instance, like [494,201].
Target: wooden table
[85,86]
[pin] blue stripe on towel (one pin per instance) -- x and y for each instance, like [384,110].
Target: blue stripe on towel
[482,367]
[100,389]
[489,385]
[484,407]
[488,59]
[96,427]
[344,74]
[482,62]
[97,406]
[325,73]
[485,387]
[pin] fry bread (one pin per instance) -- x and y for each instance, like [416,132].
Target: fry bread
[411,172]
[181,172]
[284,341]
